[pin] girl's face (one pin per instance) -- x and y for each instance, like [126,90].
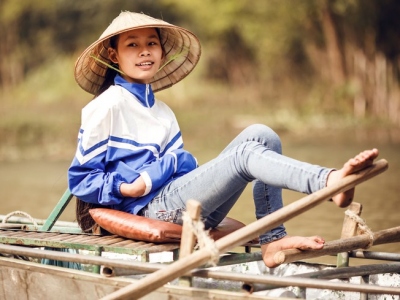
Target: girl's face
[139,54]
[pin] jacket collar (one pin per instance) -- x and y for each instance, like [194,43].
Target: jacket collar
[143,92]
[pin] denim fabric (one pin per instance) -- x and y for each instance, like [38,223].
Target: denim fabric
[253,156]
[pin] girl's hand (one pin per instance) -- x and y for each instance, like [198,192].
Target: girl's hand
[134,189]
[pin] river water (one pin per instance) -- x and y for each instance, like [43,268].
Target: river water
[35,187]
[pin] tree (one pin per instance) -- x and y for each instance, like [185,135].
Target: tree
[351,45]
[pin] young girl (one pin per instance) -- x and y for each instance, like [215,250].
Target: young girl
[130,154]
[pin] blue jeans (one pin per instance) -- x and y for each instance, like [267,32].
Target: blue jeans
[255,155]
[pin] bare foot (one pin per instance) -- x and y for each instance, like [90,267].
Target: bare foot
[360,161]
[289,242]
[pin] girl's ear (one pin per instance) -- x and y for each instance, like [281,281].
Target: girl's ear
[112,54]
[163,56]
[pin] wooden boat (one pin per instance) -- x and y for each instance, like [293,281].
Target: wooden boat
[129,269]
[250,280]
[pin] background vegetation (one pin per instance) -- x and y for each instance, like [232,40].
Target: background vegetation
[311,67]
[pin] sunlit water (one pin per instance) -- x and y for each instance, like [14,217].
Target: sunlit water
[35,187]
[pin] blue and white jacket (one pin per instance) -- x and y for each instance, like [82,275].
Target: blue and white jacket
[126,133]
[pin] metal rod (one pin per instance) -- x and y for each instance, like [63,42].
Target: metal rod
[375,255]
[300,282]
[21,220]
[57,211]
[78,258]
[347,272]
[11,226]
[55,228]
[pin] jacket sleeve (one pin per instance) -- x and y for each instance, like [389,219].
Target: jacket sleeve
[172,165]
[186,162]
[91,184]
[87,178]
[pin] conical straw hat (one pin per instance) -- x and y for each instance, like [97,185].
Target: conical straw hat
[178,43]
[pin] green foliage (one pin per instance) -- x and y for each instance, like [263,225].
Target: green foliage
[267,59]
[244,41]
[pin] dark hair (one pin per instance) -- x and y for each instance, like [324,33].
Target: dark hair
[83,217]
[114,41]
[108,81]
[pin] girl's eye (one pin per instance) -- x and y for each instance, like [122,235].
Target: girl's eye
[132,45]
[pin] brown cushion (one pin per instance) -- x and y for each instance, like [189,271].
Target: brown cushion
[149,230]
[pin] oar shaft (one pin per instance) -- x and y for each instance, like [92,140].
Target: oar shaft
[333,247]
[391,235]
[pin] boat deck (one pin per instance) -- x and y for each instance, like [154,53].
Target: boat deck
[96,243]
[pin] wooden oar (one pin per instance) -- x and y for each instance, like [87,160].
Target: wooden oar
[241,236]
[363,241]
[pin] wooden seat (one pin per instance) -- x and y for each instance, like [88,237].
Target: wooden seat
[141,228]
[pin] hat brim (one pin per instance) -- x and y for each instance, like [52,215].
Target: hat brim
[178,43]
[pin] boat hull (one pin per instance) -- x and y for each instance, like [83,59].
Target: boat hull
[29,280]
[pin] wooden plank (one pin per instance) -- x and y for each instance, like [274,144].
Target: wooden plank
[70,238]
[349,229]
[122,243]
[43,235]
[28,234]
[139,245]
[162,247]
[112,240]
[5,232]
[59,237]
[188,239]
[12,233]
[78,239]
[94,240]
[89,242]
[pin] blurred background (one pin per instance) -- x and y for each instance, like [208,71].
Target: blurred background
[324,74]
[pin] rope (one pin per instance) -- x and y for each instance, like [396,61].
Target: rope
[362,225]
[21,213]
[204,241]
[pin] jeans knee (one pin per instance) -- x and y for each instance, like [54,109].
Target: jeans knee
[266,135]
